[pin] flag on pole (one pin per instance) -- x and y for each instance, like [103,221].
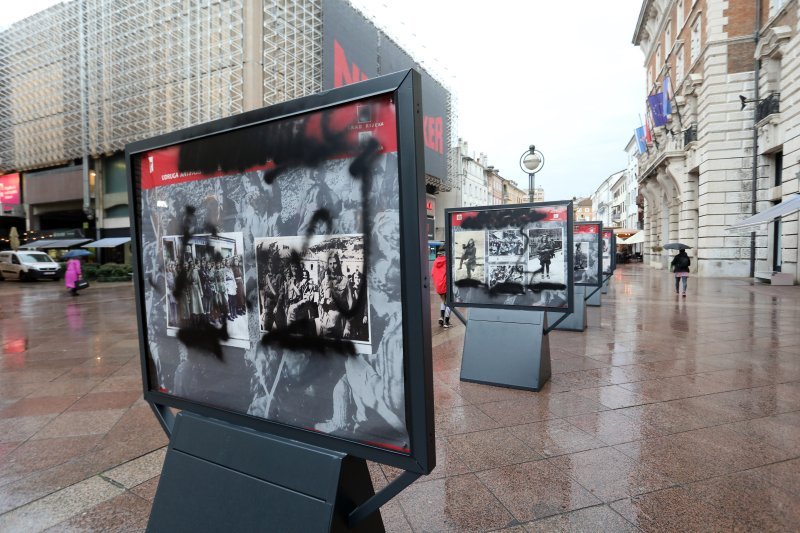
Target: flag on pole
[666,103]
[656,104]
[640,139]
[648,136]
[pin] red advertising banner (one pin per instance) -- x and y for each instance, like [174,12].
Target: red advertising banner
[355,123]
[607,233]
[9,189]
[586,228]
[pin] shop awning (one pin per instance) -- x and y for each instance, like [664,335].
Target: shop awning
[108,242]
[784,208]
[624,231]
[36,244]
[54,243]
[636,239]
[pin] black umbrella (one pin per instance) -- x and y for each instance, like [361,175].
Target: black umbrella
[676,246]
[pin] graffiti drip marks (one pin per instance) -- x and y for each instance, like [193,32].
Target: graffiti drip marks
[205,337]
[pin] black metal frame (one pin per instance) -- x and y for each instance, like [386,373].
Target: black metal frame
[404,87]
[611,253]
[599,251]
[567,256]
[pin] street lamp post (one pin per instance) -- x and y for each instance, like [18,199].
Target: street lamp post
[531,161]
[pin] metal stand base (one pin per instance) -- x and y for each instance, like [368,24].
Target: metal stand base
[507,348]
[605,286]
[594,299]
[221,477]
[576,321]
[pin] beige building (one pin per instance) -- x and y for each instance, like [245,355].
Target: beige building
[698,175]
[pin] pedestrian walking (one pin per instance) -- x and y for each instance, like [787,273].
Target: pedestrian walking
[680,267]
[72,275]
[439,275]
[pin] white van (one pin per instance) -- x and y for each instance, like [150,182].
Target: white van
[27,265]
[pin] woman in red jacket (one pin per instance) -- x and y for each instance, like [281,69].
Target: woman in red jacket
[439,275]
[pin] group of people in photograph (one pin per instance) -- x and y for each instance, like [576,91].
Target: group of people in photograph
[506,243]
[213,291]
[506,274]
[330,306]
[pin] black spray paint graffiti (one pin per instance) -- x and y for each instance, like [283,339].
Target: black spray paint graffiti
[501,219]
[286,145]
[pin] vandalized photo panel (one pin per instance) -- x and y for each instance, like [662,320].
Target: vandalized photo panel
[511,256]
[272,264]
[587,259]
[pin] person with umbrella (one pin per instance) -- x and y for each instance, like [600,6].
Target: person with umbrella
[680,266]
[72,277]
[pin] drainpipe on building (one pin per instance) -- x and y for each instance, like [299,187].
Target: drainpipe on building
[754,191]
[87,199]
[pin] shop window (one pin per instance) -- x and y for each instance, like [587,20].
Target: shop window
[116,178]
[118,211]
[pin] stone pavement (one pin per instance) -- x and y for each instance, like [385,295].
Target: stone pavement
[668,413]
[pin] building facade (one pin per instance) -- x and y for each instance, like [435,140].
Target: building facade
[777,123]
[703,172]
[603,201]
[81,79]
[582,209]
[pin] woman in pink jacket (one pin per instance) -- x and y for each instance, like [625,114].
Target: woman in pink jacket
[72,275]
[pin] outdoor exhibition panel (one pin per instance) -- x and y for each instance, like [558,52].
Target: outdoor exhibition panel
[608,252]
[281,272]
[587,259]
[510,265]
[511,257]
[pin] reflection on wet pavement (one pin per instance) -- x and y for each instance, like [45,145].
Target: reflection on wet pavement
[666,414]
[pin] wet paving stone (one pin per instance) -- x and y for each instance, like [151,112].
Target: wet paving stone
[665,414]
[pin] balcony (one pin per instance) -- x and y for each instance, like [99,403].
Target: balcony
[768,106]
[689,135]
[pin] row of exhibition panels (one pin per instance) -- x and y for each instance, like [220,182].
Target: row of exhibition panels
[285,402]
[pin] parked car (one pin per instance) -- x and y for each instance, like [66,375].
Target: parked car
[27,265]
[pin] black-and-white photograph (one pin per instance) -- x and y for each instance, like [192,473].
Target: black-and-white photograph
[506,244]
[506,273]
[469,255]
[606,251]
[585,259]
[204,279]
[546,260]
[315,287]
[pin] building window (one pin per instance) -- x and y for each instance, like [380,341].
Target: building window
[778,171]
[668,38]
[775,6]
[696,39]
[679,65]
[679,16]
[658,58]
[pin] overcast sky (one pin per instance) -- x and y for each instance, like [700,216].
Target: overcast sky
[562,76]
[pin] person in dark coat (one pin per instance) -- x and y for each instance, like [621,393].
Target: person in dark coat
[439,275]
[680,267]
